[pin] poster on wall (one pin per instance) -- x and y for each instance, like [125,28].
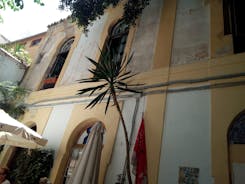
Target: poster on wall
[188,175]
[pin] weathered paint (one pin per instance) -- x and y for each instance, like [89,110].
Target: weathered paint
[144,41]
[87,46]
[191,33]
[220,44]
[162,55]
[54,38]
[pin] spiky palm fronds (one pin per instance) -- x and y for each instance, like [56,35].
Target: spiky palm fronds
[111,72]
[113,76]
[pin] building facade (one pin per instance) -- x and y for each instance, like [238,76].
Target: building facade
[32,44]
[193,103]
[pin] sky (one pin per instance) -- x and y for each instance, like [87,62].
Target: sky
[31,20]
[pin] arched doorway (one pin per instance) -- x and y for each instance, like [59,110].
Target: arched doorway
[236,149]
[79,146]
[76,150]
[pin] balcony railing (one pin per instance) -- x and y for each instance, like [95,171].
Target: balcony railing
[49,82]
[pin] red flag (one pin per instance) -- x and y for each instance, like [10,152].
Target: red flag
[139,157]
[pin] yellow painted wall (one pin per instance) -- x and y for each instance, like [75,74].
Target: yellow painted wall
[78,120]
[39,117]
[163,50]
[226,102]
[237,153]
[220,44]
[154,119]
[33,50]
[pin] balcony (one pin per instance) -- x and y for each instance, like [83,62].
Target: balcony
[49,82]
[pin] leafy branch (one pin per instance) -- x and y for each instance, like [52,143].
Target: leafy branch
[113,78]
[18,51]
[12,98]
[84,12]
[15,5]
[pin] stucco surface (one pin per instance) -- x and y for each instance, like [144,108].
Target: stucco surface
[56,125]
[186,136]
[88,46]
[117,162]
[55,37]
[191,33]
[116,165]
[144,41]
[10,68]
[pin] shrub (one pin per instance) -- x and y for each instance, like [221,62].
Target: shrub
[28,166]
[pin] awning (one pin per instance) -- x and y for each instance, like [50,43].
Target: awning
[15,133]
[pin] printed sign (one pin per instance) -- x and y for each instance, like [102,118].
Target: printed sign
[188,175]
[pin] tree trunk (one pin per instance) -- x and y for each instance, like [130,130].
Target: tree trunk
[125,134]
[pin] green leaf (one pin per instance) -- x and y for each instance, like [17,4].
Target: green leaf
[126,76]
[107,103]
[111,73]
[96,100]
[131,85]
[82,91]
[128,90]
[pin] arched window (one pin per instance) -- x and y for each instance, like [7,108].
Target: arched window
[117,39]
[236,134]
[54,73]
[233,12]
[236,148]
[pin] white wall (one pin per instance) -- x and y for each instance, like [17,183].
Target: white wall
[88,46]
[238,173]
[58,120]
[11,69]
[186,136]
[116,164]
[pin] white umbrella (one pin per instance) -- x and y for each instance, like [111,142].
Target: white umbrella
[87,168]
[15,133]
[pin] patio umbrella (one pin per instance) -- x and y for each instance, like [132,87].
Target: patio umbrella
[15,133]
[87,168]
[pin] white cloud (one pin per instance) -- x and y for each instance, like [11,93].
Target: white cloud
[31,20]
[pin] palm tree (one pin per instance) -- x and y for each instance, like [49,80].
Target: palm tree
[12,98]
[112,75]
